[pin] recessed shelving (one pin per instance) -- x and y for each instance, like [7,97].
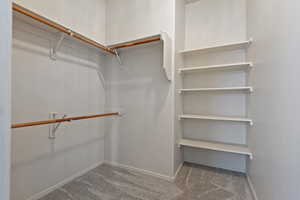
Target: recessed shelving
[222,47]
[246,89]
[237,149]
[216,118]
[244,65]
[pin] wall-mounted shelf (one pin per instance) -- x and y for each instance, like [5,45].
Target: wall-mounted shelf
[216,118]
[167,49]
[237,149]
[34,17]
[246,89]
[222,47]
[245,65]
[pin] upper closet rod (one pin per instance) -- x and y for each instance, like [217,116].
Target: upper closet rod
[68,119]
[61,28]
[135,43]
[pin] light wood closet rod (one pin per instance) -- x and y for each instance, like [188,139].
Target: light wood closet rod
[61,28]
[130,44]
[69,119]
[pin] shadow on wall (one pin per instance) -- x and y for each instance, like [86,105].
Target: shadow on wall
[70,85]
[139,88]
[39,41]
[55,153]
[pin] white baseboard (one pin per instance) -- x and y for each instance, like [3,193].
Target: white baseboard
[143,171]
[177,171]
[62,183]
[67,180]
[252,190]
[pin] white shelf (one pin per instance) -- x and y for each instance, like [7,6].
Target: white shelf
[247,89]
[216,67]
[238,149]
[222,47]
[216,118]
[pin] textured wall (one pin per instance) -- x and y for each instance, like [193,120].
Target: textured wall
[70,85]
[274,139]
[144,137]
[5,62]
[131,19]
[85,17]
[178,62]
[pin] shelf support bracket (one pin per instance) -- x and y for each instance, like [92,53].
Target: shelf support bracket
[251,123]
[55,47]
[167,55]
[251,156]
[118,56]
[101,77]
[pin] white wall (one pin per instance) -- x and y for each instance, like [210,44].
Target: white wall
[275,138]
[178,59]
[69,85]
[5,104]
[143,138]
[85,17]
[213,22]
[132,19]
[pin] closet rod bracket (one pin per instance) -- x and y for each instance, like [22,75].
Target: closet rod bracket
[53,127]
[118,56]
[55,46]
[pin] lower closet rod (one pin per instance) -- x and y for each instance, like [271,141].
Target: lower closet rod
[68,119]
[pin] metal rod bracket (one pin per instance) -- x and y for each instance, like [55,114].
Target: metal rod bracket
[56,46]
[118,56]
[53,127]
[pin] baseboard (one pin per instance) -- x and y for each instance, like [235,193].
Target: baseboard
[177,171]
[62,183]
[143,171]
[130,168]
[252,190]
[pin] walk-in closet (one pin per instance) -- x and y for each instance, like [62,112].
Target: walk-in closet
[149,100]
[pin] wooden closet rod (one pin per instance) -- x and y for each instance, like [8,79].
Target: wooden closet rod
[68,119]
[61,28]
[130,44]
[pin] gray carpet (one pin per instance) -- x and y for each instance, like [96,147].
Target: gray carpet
[193,182]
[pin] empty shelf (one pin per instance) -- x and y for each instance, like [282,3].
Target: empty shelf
[217,118]
[247,89]
[216,67]
[238,149]
[223,47]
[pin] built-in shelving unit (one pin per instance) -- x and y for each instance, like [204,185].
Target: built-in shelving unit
[222,47]
[212,63]
[245,65]
[246,89]
[216,118]
[237,149]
